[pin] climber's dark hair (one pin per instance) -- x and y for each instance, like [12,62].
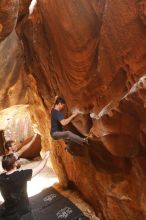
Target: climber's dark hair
[59,100]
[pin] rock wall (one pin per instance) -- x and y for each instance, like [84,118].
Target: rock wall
[17,84]
[93,53]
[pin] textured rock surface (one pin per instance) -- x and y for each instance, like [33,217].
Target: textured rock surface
[18,86]
[93,53]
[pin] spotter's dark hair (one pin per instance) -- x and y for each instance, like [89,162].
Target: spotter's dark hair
[8,162]
[9,144]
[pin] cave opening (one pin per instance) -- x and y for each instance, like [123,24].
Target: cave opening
[93,54]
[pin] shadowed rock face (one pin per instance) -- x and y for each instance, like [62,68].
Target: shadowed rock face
[13,79]
[93,53]
[8,17]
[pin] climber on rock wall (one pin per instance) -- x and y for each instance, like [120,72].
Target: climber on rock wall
[58,121]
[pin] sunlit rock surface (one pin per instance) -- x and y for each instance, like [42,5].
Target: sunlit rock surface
[93,53]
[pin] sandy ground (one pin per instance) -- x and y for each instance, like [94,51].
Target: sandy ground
[48,178]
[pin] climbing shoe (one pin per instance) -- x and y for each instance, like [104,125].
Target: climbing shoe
[86,140]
